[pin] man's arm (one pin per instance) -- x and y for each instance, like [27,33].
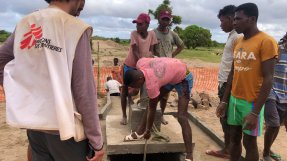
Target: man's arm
[124,95]
[136,52]
[84,91]
[6,54]
[153,44]
[106,87]
[179,44]
[221,109]
[150,116]
[267,68]
[152,49]
[178,50]
[267,73]
[120,85]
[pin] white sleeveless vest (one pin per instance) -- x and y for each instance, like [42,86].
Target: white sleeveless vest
[37,82]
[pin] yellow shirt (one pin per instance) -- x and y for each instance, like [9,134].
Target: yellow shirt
[248,57]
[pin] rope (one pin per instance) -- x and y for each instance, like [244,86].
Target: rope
[157,135]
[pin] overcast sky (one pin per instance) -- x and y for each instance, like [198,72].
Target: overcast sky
[113,18]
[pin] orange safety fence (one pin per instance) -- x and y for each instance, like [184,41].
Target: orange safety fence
[204,79]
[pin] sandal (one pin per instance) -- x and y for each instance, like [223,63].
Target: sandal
[130,138]
[276,157]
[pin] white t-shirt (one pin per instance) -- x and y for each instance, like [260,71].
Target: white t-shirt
[227,57]
[113,86]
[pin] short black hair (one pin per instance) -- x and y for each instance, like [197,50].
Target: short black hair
[109,78]
[249,9]
[228,10]
[131,76]
[283,39]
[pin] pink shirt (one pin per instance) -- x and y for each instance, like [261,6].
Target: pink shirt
[143,45]
[159,72]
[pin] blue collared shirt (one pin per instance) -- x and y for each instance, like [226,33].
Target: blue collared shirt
[279,88]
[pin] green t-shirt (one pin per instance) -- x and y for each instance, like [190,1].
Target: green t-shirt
[165,44]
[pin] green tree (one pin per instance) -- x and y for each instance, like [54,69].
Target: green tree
[162,7]
[195,36]
[4,35]
[217,44]
[117,40]
[179,31]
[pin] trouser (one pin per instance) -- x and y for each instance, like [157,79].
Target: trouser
[49,147]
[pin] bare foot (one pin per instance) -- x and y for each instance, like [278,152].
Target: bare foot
[189,157]
[163,121]
[124,121]
[218,153]
[266,158]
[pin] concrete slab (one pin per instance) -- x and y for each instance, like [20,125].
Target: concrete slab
[104,111]
[135,115]
[115,134]
[116,108]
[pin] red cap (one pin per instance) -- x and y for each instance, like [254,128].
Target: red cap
[143,17]
[165,14]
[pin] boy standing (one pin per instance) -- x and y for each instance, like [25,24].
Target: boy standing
[226,16]
[249,83]
[164,48]
[142,45]
[276,104]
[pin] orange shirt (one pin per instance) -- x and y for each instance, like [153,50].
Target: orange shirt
[116,73]
[248,57]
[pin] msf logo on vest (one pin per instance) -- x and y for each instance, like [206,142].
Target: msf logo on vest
[242,60]
[34,38]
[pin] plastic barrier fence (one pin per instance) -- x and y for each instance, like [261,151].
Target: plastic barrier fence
[205,79]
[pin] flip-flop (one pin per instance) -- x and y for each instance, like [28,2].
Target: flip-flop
[276,157]
[217,154]
[130,138]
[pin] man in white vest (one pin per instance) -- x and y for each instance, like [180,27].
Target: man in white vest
[49,84]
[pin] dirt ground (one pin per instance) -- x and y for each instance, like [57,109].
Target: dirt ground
[208,117]
[13,142]
[109,50]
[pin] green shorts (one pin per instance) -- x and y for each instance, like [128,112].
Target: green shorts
[238,109]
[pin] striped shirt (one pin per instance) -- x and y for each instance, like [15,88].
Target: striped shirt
[279,89]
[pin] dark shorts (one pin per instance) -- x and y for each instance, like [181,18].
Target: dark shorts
[49,147]
[125,69]
[223,120]
[275,113]
[179,87]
